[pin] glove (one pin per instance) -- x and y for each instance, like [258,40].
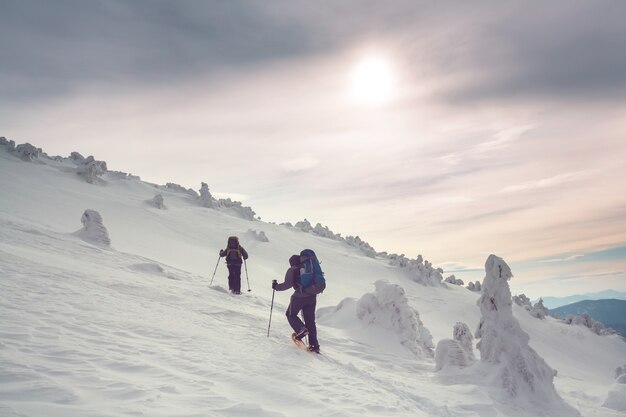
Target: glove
[274,284]
[222,253]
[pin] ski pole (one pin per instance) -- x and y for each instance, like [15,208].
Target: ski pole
[218,262]
[247,280]
[271,309]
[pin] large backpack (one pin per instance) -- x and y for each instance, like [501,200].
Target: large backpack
[233,251]
[311,280]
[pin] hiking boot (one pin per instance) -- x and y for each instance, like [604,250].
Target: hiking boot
[314,349]
[302,333]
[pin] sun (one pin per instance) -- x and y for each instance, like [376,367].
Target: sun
[372,82]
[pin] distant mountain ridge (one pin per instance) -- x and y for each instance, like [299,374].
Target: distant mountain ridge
[555,302]
[611,313]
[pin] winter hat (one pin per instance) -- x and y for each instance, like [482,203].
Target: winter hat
[294,260]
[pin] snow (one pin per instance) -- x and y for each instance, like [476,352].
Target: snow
[133,328]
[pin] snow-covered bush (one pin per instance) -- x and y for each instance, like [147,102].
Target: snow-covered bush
[90,169]
[616,398]
[123,175]
[206,199]
[456,352]
[523,301]
[425,273]
[27,152]
[180,189]
[389,308]
[157,201]
[539,310]
[358,243]
[324,231]
[93,228]
[474,286]
[454,281]
[586,320]
[511,364]
[242,211]
[77,158]
[304,225]
[260,236]
[8,143]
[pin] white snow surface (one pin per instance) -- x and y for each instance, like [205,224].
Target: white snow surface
[134,329]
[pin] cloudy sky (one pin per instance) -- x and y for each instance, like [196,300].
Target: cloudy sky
[451,131]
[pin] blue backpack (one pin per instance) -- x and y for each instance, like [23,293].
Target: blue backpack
[311,279]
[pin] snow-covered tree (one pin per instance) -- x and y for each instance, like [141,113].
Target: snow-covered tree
[158,202]
[10,145]
[523,301]
[180,189]
[359,243]
[93,228]
[206,199]
[304,225]
[586,320]
[425,273]
[27,152]
[454,281]
[389,308]
[616,398]
[474,286]
[457,352]
[260,236]
[539,310]
[91,170]
[505,354]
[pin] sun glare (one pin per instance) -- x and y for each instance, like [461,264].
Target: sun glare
[372,82]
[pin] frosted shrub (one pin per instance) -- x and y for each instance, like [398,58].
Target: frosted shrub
[389,308]
[27,152]
[523,301]
[304,225]
[206,199]
[474,286]
[539,310]
[93,228]
[365,247]
[242,211]
[454,281]
[457,352]
[180,189]
[586,320]
[616,398]
[260,236]
[8,143]
[514,366]
[90,169]
[425,273]
[158,202]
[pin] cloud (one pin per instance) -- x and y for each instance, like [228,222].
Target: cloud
[300,164]
[546,182]
[566,259]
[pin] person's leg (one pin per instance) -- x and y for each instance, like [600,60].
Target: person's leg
[237,279]
[292,314]
[231,277]
[308,311]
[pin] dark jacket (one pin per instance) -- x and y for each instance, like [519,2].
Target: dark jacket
[290,276]
[234,260]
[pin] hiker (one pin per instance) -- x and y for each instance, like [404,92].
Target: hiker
[234,253]
[300,300]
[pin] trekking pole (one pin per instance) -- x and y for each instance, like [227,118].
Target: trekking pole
[271,309]
[247,280]
[218,262]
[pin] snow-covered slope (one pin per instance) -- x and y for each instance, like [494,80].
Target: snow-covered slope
[133,328]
